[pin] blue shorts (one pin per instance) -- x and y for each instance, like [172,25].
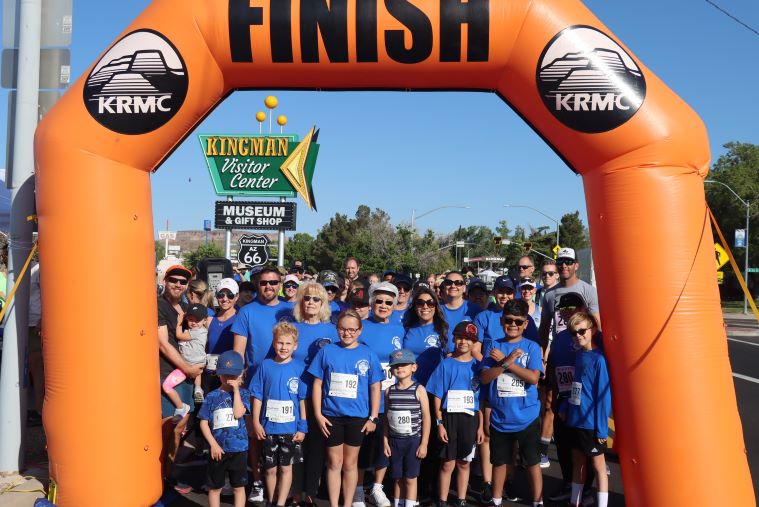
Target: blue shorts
[184,390]
[403,461]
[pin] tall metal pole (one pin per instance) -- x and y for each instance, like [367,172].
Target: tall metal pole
[745,266]
[281,246]
[13,381]
[228,238]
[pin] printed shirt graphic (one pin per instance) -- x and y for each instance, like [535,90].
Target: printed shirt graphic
[359,361]
[232,439]
[455,375]
[280,388]
[424,342]
[513,413]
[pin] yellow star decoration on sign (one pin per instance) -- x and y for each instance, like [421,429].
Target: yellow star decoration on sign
[294,168]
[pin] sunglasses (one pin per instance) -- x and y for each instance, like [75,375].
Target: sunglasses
[509,321]
[291,286]
[403,288]
[271,283]
[180,281]
[567,308]
[581,331]
[565,262]
[384,302]
[224,295]
[526,287]
[548,273]
[457,283]
[331,289]
[297,270]
[315,299]
[525,267]
[429,303]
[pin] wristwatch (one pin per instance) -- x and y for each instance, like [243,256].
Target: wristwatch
[504,365]
[375,420]
[438,422]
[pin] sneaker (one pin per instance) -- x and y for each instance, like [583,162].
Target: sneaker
[256,492]
[487,493]
[508,493]
[198,396]
[461,502]
[379,497]
[562,494]
[179,413]
[182,488]
[544,461]
[358,504]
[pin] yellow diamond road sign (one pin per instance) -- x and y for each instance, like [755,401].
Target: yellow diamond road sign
[721,254]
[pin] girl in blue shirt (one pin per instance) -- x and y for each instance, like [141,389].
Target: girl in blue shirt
[588,408]
[346,400]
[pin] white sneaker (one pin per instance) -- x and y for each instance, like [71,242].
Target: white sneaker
[179,413]
[379,497]
[358,504]
[256,492]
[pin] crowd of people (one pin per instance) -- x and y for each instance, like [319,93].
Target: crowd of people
[349,378]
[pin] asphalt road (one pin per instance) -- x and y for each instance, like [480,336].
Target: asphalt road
[743,346]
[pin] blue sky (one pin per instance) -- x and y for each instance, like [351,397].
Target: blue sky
[401,151]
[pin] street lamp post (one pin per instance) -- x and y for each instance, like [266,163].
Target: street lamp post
[538,211]
[415,217]
[748,217]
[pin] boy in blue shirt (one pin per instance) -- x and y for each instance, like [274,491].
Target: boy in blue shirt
[279,412]
[223,426]
[456,387]
[511,370]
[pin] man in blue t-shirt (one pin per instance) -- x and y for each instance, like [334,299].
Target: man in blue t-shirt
[510,369]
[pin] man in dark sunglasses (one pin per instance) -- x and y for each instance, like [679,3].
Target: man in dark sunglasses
[455,308]
[298,269]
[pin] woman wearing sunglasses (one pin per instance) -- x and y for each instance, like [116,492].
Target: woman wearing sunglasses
[220,336]
[588,408]
[426,333]
[290,288]
[527,289]
[312,315]
[198,294]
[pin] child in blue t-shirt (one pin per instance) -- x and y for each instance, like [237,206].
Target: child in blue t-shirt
[510,371]
[279,412]
[223,426]
[455,385]
[588,408]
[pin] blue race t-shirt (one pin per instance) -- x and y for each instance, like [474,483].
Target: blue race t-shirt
[424,342]
[280,387]
[457,384]
[513,402]
[220,336]
[347,375]
[255,321]
[311,339]
[589,403]
[398,316]
[466,312]
[216,409]
[383,339]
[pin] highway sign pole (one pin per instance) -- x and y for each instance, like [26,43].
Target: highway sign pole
[228,238]
[281,245]
[12,378]
[745,264]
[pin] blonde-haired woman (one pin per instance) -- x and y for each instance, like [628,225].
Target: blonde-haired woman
[198,294]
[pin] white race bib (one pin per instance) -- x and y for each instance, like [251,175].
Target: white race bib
[211,361]
[343,385]
[461,401]
[510,386]
[558,323]
[279,411]
[224,418]
[389,379]
[564,377]
[574,398]
[399,421]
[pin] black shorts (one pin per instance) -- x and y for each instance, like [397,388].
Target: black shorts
[280,451]
[372,453]
[345,430]
[586,442]
[502,445]
[462,436]
[236,463]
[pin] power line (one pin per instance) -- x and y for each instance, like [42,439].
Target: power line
[723,11]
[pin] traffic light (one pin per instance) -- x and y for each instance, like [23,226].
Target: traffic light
[497,240]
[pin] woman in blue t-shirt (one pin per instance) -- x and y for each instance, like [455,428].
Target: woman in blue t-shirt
[346,400]
[426,333]
[220,337]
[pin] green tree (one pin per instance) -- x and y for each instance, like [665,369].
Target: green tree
[299,247]
[572,232]
[204,251]
[160,251]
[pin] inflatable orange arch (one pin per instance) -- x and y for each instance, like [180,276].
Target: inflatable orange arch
[641,151]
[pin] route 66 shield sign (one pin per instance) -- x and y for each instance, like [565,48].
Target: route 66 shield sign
[254,249]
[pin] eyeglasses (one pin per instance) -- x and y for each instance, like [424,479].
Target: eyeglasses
[224,295]
[525,266]
[271,283]
[429,303]
[548,273]
[315,299]
[581,331]
[347,330]
[509,321]
[180,281]
[457,283]
[291,286]
[565,262]
[385,302]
